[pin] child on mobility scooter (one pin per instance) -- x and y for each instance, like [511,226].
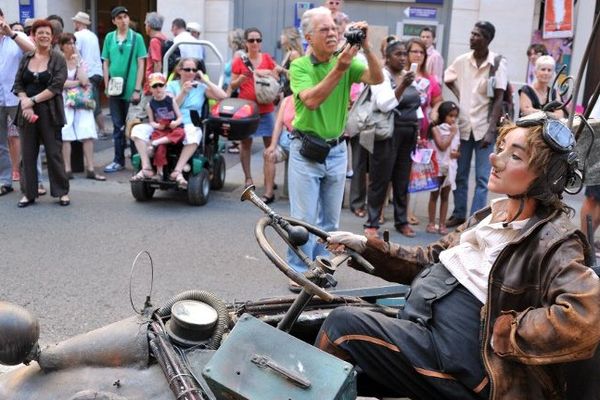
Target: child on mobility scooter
[164,116]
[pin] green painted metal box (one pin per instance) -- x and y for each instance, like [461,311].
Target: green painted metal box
[260,362]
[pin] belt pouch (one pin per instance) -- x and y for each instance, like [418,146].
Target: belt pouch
[314,148]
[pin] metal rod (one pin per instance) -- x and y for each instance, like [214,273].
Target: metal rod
[584,62]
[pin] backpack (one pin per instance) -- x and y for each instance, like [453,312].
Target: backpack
[173,58]
[508,107]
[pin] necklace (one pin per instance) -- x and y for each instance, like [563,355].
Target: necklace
[540,94]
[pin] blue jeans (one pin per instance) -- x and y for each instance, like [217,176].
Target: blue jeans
[5,164]
[482,174]
[316,194]
[118,113]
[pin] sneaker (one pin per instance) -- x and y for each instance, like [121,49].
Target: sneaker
[113,167]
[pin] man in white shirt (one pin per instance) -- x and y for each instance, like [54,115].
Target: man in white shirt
[480,103]
[88,46]
[12,47]
[181,34]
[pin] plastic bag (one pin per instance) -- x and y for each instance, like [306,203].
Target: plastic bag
[424,174]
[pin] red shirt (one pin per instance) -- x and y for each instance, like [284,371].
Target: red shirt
[154,55]
[247,88]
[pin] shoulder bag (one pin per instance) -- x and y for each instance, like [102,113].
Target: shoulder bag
[117,84]
[266,88]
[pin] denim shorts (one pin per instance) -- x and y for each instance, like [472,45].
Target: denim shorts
[265,126]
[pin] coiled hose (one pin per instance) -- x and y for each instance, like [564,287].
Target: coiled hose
[211,300]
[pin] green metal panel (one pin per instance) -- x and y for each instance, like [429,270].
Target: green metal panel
[258,361]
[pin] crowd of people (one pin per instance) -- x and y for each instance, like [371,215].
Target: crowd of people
[496,306]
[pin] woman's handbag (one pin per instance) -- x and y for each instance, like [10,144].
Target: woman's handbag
[80,98]
[266,88]
[365,116]
[424,174]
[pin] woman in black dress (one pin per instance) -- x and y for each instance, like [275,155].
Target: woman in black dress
[39,84]
[533,98]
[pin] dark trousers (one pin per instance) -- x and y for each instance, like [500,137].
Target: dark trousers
[391,162]
[32,136]
[431,351]
[118,114]
[358,184]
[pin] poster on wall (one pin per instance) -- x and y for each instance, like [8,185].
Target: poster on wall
[558,19]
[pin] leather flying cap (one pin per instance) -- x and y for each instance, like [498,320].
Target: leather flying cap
[118,10]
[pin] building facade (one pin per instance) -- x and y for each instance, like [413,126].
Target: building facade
[516,21]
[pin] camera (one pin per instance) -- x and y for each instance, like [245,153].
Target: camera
[354,36]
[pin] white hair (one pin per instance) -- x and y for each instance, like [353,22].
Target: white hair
[545,61]
[308,16]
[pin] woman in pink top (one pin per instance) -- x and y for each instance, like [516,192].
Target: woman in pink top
[278,149]
[428,88]
[243,78]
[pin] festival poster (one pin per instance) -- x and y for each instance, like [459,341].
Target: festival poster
[558,19]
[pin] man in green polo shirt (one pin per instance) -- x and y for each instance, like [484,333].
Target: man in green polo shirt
[123,56]
[321,85]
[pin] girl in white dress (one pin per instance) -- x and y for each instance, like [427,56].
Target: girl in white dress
[446,141]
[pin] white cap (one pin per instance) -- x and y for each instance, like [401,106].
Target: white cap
[194,27]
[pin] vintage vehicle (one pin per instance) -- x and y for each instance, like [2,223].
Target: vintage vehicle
[197,347]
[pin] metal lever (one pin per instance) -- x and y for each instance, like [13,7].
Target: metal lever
[266,362]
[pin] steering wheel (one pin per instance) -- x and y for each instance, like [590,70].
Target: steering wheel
[284,267]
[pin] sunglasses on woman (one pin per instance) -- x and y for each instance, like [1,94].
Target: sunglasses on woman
[158,85]
[258,40]
[189,69]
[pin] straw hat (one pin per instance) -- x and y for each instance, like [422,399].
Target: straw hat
[82,17]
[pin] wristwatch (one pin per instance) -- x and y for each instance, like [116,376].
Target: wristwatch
[33,100]
[14,35]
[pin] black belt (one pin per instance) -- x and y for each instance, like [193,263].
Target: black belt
[332,142]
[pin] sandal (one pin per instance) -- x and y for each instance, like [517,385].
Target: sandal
[142,174]
[177,176]
[431,228]
[41,190]
[413,220]
[249,182]
[69,174]
[359,212]
[267,199]
[443,230]
[93,175]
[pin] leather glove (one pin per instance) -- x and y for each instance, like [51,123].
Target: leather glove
[354,242]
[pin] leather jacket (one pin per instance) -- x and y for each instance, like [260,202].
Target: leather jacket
[542,309]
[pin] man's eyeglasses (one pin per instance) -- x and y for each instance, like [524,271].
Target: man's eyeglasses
[556,134]
[157,85]
[189,69]
[258,40]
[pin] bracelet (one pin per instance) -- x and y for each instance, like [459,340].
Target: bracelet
[14,35]
[33,100]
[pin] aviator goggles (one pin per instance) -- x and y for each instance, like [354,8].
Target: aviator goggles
[556,134]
